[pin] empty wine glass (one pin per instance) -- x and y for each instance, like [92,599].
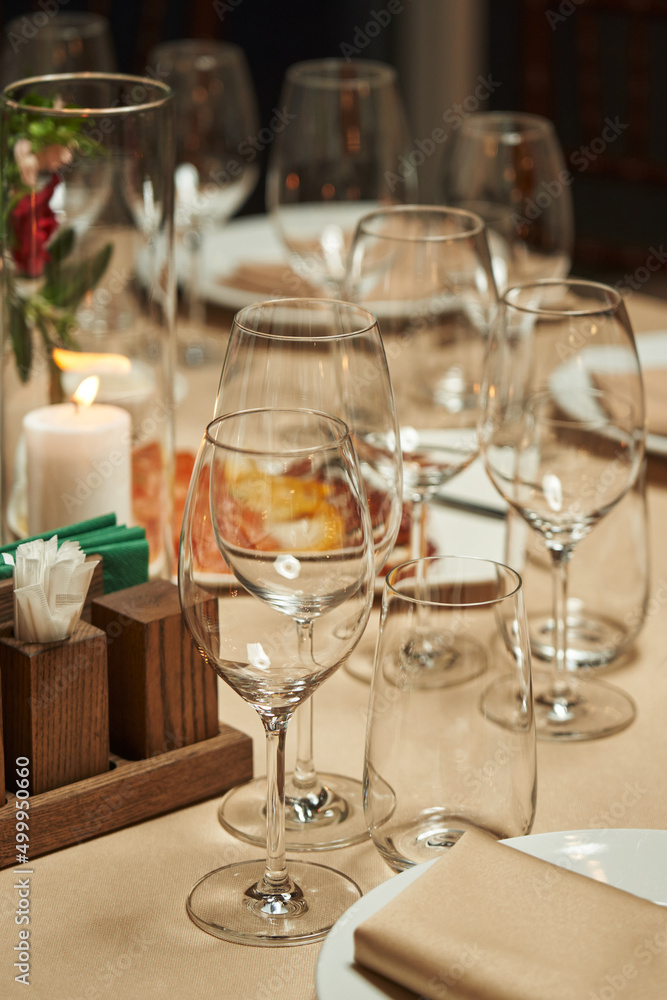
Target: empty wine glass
[509,168]
[216,166]
[327,355]
[435,765]
[425,272]
[279,495]
[338,157]
[562,434]
[69,42]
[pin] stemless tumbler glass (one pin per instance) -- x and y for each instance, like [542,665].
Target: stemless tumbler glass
[436,764]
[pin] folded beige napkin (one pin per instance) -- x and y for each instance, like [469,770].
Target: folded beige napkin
[655,395]
[487,922]
[272,280]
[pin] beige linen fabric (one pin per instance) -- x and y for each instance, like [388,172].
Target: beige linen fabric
[108,918]
[486,922]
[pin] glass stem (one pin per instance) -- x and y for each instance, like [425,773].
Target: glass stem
[194,305]
[562,684]
[417,530]
[304,777]
[275,876]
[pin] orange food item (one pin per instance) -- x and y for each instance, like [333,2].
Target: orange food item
[149,494]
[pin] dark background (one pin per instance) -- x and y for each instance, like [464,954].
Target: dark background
[578,62]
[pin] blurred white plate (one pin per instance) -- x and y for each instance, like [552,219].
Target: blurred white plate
[634,860]
[652,350]
[248,240]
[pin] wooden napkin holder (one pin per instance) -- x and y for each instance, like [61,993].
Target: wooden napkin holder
[162,694]
[56,708]
[161,710]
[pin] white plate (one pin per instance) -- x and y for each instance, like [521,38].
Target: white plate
[652,350]
[248,240]
[634,860]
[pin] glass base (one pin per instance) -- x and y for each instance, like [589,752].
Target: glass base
[421,838]
[229,904]
[587,710]
[431,660]
[592,641]
[326,819]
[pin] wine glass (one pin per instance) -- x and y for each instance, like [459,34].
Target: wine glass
[74,42]
[509,168]
[562,433]
[279,495]
[426,274]
[327,355]
[337,158]
[216,166]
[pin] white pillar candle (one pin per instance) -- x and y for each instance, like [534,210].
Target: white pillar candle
[79,464]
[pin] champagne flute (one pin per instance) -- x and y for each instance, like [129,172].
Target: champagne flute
[562,433]
[215,115]
[279,495]
[327,355]
[338,158]
[426,273]
[509,168]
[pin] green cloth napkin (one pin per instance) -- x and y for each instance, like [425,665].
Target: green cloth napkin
[124,550]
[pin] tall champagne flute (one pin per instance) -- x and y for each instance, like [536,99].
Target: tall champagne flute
[327,355]
[426,274]
[509,168]
[279,496]
[562,433]
[341,154]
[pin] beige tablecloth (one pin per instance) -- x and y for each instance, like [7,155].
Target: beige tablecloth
[108,920]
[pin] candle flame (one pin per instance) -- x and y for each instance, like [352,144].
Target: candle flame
[85,392]
[82,361]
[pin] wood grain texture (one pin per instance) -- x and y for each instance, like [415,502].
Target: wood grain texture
[2,754]
[55,707]
[161,693]
[131,792]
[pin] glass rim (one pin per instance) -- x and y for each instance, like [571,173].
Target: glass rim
[227,51]
[526,122]
[343,431]
[373,73]
[296,303]
[614,297]
[87,77]
[87,23]
[478,226]
[390,586]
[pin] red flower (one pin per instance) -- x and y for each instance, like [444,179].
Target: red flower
[33,224]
